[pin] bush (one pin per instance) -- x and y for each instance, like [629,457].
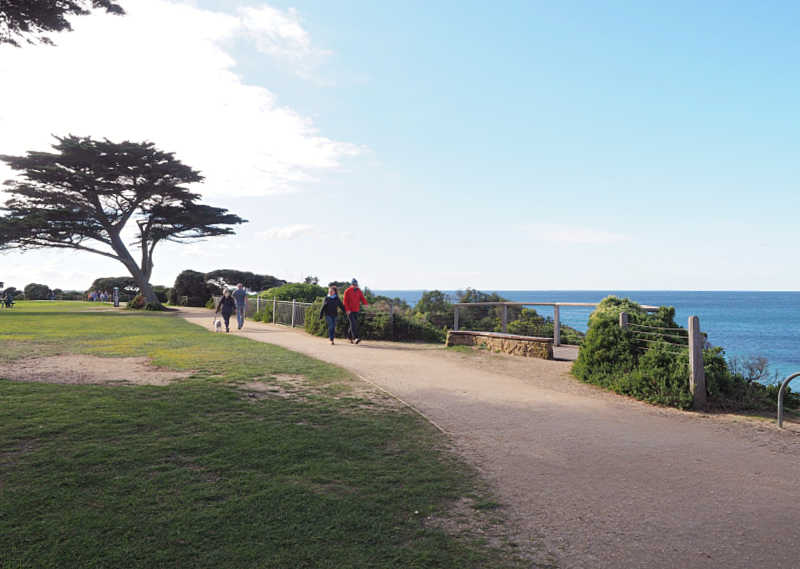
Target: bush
[611,358]
[192,285]
[136,303]
[375,325]
[161,293]
[301,292]
[35,291]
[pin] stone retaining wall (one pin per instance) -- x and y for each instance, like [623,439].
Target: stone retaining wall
[527,346]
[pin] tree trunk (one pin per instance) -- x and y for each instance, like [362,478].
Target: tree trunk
[142,281]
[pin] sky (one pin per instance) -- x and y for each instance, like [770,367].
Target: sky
[424,145]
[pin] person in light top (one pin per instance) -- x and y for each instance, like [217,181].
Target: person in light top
[353,299]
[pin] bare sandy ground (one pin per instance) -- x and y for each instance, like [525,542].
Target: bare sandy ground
[80,369]
[592,479]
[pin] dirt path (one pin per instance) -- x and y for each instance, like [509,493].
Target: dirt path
[600,480]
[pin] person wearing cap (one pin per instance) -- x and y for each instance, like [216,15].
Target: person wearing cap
[353,299]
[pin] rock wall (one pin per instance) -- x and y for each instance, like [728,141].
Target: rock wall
[527,346]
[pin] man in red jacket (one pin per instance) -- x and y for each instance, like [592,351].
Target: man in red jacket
[353,299]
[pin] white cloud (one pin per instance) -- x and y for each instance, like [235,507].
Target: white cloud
[557,233]
[285,233]
[282,36]
[162,73]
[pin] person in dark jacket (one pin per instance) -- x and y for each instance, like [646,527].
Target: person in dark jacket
[330,310]
[226,306]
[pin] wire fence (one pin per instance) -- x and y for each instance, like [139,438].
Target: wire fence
[673,340]
[290,313]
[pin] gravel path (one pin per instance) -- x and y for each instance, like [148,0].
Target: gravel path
[599,481]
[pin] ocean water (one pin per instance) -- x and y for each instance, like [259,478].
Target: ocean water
[743,323]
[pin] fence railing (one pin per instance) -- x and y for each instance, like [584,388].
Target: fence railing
[286,312]
[557,306]
[781,393]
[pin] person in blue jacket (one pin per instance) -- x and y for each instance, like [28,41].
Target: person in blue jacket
[330,310]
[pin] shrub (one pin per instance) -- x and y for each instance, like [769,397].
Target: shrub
[136,303]
[302,292]
[192,285]
[35,291]
[374,325]
[610,357]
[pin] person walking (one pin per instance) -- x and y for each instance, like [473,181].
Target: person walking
[353,299]
[240,296]
[330,310]
[227,306]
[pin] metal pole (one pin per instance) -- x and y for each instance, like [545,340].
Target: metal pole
[455,319]
[697,377]
[258,304]
[781,393]
[294,302]
[505,318]
[556,326]
[274,309]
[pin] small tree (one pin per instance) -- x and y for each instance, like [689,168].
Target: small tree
[31,19]
[83,196]
[10,292]
[35,291]
[193,286]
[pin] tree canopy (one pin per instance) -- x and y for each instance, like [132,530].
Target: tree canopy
[36,291]
[230,277]
[31,20]
[83,196]
[126,285]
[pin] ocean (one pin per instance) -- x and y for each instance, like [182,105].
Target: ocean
[743,323]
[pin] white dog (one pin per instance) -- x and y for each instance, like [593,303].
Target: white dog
[217,325]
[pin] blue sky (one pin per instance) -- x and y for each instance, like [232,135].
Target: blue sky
[570,145]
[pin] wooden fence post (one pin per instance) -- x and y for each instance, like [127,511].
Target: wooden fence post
[455,319]
[391,311]
[274,309]
[697,376]
[258,304]
[623,319]
[556,326]
[505,318]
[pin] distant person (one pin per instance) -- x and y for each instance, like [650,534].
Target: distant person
[240,296]
[353,299]
[330,310]
[226,307]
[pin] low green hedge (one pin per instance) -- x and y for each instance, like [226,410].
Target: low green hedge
[375,326]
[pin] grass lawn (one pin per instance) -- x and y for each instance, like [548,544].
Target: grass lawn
[197,474]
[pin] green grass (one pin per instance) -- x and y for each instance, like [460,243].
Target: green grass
[196,474]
